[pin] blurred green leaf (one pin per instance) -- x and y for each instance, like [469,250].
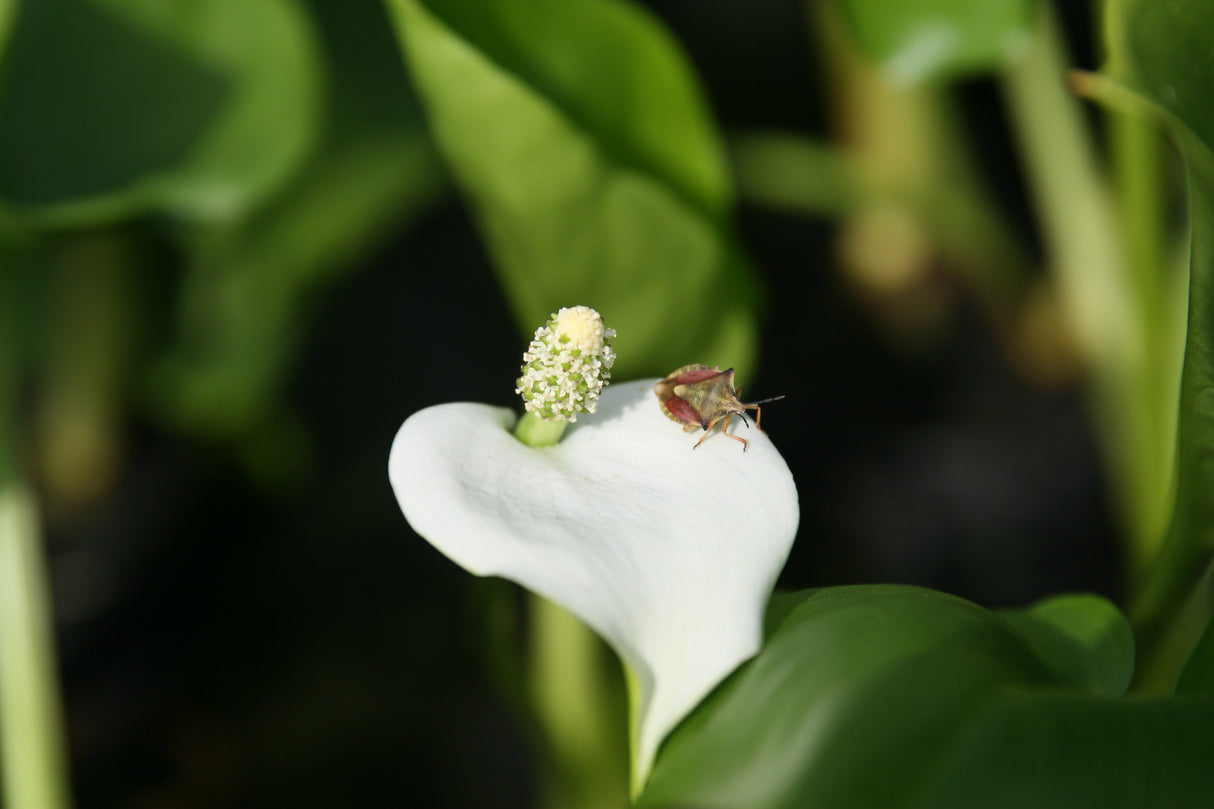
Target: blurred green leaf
[917,40]
[249,288]
[77,120]
[247,292]
[1082,639]
[8,11]
[798,174]
[897,696]
[1161,52]
[1160,62]
[1197,677]
[578,134]
[109,107]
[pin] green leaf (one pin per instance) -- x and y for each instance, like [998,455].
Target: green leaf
[1160,63]
[249,287]
[577,132]
[200,109]
[108,128]
[1041,749]
[8,11]
[917,40]
[248,291]
[855,680]
[1197,677]
[1161,52]
[1083,639]
[897,696]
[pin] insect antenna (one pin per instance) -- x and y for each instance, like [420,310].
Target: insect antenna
[765,401]
[758,410]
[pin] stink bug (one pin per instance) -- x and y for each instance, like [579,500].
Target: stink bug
[701,396]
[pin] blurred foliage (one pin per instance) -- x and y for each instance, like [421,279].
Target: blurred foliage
[1158,62]
[279,145]
[200,109]
[183,182]
[598,179]
[1197,677]
[938,39]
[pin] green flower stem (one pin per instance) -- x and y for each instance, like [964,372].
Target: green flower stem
[575,703]
[1188,546]
[32,770]
[1083,243]
[536,432]
[1159,297]
[902,148]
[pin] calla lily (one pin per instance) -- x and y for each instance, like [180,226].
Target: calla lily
[669,554]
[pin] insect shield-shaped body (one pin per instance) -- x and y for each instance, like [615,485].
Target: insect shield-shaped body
[702,396]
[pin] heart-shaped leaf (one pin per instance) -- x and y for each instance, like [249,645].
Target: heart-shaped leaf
[577,133]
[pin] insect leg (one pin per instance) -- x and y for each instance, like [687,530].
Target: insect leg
[725,431]
[708,429]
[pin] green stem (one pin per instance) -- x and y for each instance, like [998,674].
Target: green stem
[1079,226]
[536,432]
[34,773]
[900,148]
[1188,548]
[575,705]
[1137,152]
[32,769]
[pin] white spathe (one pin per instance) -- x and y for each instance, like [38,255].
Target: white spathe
[669,554]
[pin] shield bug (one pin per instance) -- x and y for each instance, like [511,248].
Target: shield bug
[702,396]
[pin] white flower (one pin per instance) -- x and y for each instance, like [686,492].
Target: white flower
[567,365]
[669,554]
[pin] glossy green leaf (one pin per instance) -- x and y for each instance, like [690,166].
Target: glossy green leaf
[1160,61]
[1197,677]
[577,133]
[855,680]
[1083,639]
[109,107]
[915,40]
[897,696]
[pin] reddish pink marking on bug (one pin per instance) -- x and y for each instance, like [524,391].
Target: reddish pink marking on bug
[681,410]
[703,396]
[691,377]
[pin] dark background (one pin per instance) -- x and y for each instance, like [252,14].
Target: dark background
[227,645]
